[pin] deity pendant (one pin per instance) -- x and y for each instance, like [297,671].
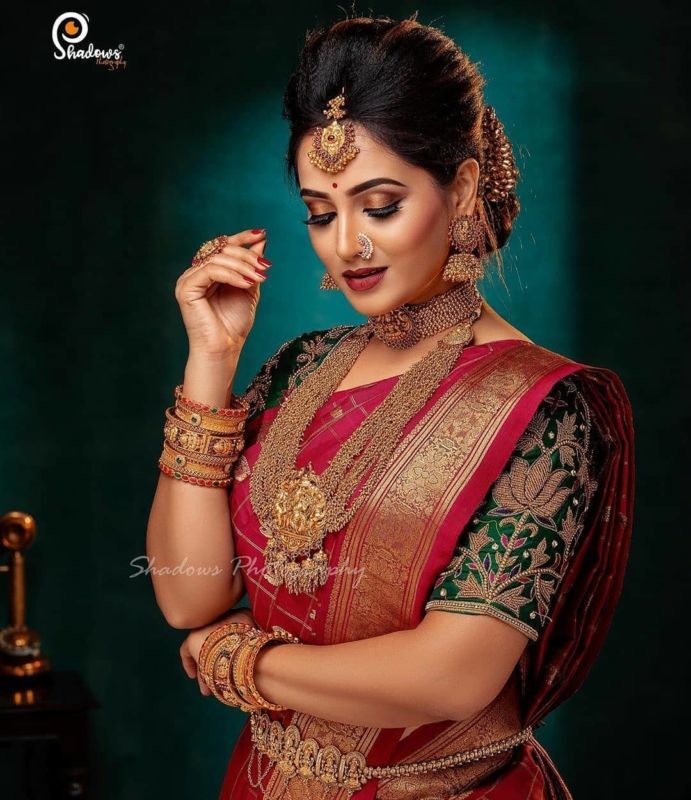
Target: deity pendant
[297,529]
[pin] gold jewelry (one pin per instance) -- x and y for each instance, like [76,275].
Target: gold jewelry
[367,246]
[238,408]
[245,659]
[349,771]
[226,663]
[405,325]
[498,169]
[296,508]
[465,234]
[209,249]
[327,282]
[201,442]
[216,657]
[334,146]
[179,465]
[195,439]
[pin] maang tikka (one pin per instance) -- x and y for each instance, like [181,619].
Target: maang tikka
[334,145]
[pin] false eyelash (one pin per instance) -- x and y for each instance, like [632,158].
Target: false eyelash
[380,213]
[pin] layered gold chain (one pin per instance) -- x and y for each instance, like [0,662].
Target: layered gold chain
[296,508]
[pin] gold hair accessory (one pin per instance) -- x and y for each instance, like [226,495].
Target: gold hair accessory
[465,235]
[367,246]
[498,169]
[334,145]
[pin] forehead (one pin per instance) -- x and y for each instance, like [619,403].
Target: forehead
[373,160]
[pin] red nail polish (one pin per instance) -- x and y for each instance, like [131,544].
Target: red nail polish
[264,261]
[258,230]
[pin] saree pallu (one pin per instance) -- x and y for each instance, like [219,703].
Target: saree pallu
[384,562]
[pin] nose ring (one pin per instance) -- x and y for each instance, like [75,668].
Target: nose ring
[367,246]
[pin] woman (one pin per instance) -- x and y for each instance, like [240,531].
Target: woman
[431,514]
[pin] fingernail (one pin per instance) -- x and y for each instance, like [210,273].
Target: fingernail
[264,261]
[261,274]
[258,230]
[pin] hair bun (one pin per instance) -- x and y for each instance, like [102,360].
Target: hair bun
[498,168]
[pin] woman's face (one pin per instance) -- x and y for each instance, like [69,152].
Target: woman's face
[402,210]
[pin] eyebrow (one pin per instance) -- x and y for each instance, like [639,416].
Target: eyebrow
[354,190]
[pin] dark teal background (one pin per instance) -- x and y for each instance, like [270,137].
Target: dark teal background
[113,179]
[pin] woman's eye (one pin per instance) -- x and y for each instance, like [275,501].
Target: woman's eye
[325,219]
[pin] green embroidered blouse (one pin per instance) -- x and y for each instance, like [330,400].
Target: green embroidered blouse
[510,558]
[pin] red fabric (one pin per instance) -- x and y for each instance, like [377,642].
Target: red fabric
[560,659]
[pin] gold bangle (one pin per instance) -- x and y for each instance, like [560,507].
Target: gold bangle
[220,661]
[221,643]
[239,407]
[244,661]
[209,422]
[202,464]
[189,438]
[219,462]
[188,465]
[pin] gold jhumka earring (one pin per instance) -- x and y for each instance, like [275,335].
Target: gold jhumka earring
[465,235]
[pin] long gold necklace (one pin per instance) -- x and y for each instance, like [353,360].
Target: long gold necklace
[296,508]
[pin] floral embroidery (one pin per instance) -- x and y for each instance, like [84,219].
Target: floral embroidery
[316,345]
[278,374]
[511,557]
[257,390]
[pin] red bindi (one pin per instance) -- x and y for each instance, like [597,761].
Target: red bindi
[335,185]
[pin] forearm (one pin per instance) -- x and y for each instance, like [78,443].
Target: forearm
[189,536]
[387,681]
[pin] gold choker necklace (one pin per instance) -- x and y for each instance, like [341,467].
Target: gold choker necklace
[296,508]
[405,325]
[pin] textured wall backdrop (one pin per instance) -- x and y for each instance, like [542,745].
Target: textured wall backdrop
[113,180]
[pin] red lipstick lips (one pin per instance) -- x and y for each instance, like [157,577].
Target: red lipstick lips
[359,280]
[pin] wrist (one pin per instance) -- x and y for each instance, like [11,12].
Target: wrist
[210,379]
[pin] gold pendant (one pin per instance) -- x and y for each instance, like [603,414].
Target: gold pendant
[298,528]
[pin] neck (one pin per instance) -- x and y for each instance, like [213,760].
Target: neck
[436,285]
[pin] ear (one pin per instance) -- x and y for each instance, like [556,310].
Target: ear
[464,188]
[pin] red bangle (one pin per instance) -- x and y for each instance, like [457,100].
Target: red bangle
[239,407]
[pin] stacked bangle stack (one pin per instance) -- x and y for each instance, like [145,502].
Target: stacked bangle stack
[202,442]
[226,663]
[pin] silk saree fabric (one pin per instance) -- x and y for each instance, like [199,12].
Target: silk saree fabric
[413,542]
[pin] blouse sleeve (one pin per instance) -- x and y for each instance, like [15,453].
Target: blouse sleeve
[258,390]
[510,558]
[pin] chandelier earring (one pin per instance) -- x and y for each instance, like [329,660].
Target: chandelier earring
[465,234]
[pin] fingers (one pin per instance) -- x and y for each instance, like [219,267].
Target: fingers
[250,237]
[246,262]
[188,662]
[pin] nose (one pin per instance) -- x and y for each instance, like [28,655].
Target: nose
[347,245]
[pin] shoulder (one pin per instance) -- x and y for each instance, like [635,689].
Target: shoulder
[290,362]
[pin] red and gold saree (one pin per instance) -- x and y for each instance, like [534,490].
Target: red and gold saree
[405,539]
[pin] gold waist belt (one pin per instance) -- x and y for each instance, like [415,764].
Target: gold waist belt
[349,771]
